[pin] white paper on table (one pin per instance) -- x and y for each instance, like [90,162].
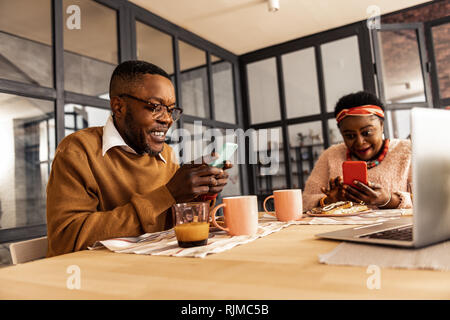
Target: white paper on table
[435,257]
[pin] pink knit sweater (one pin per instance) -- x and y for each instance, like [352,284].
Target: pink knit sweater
[394,172]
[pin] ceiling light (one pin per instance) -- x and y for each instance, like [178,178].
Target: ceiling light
[274,5]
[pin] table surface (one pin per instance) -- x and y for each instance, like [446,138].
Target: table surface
[282,265]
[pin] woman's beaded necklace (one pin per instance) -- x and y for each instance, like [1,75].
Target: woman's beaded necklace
[377,161]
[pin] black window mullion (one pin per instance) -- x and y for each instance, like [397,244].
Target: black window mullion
[365,54]
[238,108]
[424,63]
[27,90]
[85,100]
[176,65]
[245,95]
[58,67]
[433,67]
[315,117]
[209,122]
[246,124]
[267,125]
[212,114]
[22,233]
[284,128]
[126,34]
[322,96]
[47,128]
[244,175]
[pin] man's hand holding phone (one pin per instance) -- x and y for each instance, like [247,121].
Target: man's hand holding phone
[222,161]
[198,178]
[192,180]
[221,178]
[224,155]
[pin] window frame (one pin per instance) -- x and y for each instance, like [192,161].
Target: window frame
[358,29]
[418,27]
[438,101]
[127,14]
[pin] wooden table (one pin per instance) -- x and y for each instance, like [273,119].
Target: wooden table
[282,265]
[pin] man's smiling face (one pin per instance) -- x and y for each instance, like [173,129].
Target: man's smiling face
[136,122]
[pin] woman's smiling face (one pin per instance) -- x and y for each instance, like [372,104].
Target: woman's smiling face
[363,135]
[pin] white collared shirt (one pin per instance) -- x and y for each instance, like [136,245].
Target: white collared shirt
[112,138]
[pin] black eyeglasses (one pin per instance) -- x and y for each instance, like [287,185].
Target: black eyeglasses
[158,109]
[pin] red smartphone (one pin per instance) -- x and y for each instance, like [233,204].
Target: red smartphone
[354,170]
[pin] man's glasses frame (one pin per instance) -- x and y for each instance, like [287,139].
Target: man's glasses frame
[157,108]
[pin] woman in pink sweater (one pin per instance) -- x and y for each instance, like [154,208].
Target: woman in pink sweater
[360,118]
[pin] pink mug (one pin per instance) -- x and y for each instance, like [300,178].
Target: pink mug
[288,204]
[240,213]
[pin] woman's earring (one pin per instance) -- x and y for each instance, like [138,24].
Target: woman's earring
[382,136]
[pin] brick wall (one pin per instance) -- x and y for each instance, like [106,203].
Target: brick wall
[441,44]
[402,74]
[441,37]
[433,11]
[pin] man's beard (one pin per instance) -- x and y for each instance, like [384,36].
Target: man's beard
[136,138]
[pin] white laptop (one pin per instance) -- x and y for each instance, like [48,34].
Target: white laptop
[430,135]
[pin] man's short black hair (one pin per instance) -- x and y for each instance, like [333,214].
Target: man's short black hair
[128,73]
[357,99]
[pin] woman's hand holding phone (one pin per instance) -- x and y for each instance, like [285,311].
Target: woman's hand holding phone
[372,194]
[357,188]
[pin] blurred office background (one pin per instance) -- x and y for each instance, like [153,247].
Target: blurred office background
[282,71]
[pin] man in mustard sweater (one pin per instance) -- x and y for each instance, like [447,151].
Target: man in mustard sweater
[120,180]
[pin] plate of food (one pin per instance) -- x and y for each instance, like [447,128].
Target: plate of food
[339,209]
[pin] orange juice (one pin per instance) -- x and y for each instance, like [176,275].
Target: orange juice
[192,234]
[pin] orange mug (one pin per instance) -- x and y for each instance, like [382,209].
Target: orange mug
[288,204]
[240,213]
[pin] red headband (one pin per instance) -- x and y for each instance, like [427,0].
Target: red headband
[360,111]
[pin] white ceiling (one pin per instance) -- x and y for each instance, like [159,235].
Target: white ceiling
[241,26]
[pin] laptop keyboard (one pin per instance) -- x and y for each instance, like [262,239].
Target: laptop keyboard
[402,234]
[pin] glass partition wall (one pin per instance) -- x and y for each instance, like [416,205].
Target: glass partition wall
[291,89]
[411,51]
[276,103]
[56,60]
[437,36]
[207,88]
[27,109]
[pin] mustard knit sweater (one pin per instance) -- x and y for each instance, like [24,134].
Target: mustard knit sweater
[91,197]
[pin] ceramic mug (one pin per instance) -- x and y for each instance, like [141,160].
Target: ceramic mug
[288,204]
[240,213]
